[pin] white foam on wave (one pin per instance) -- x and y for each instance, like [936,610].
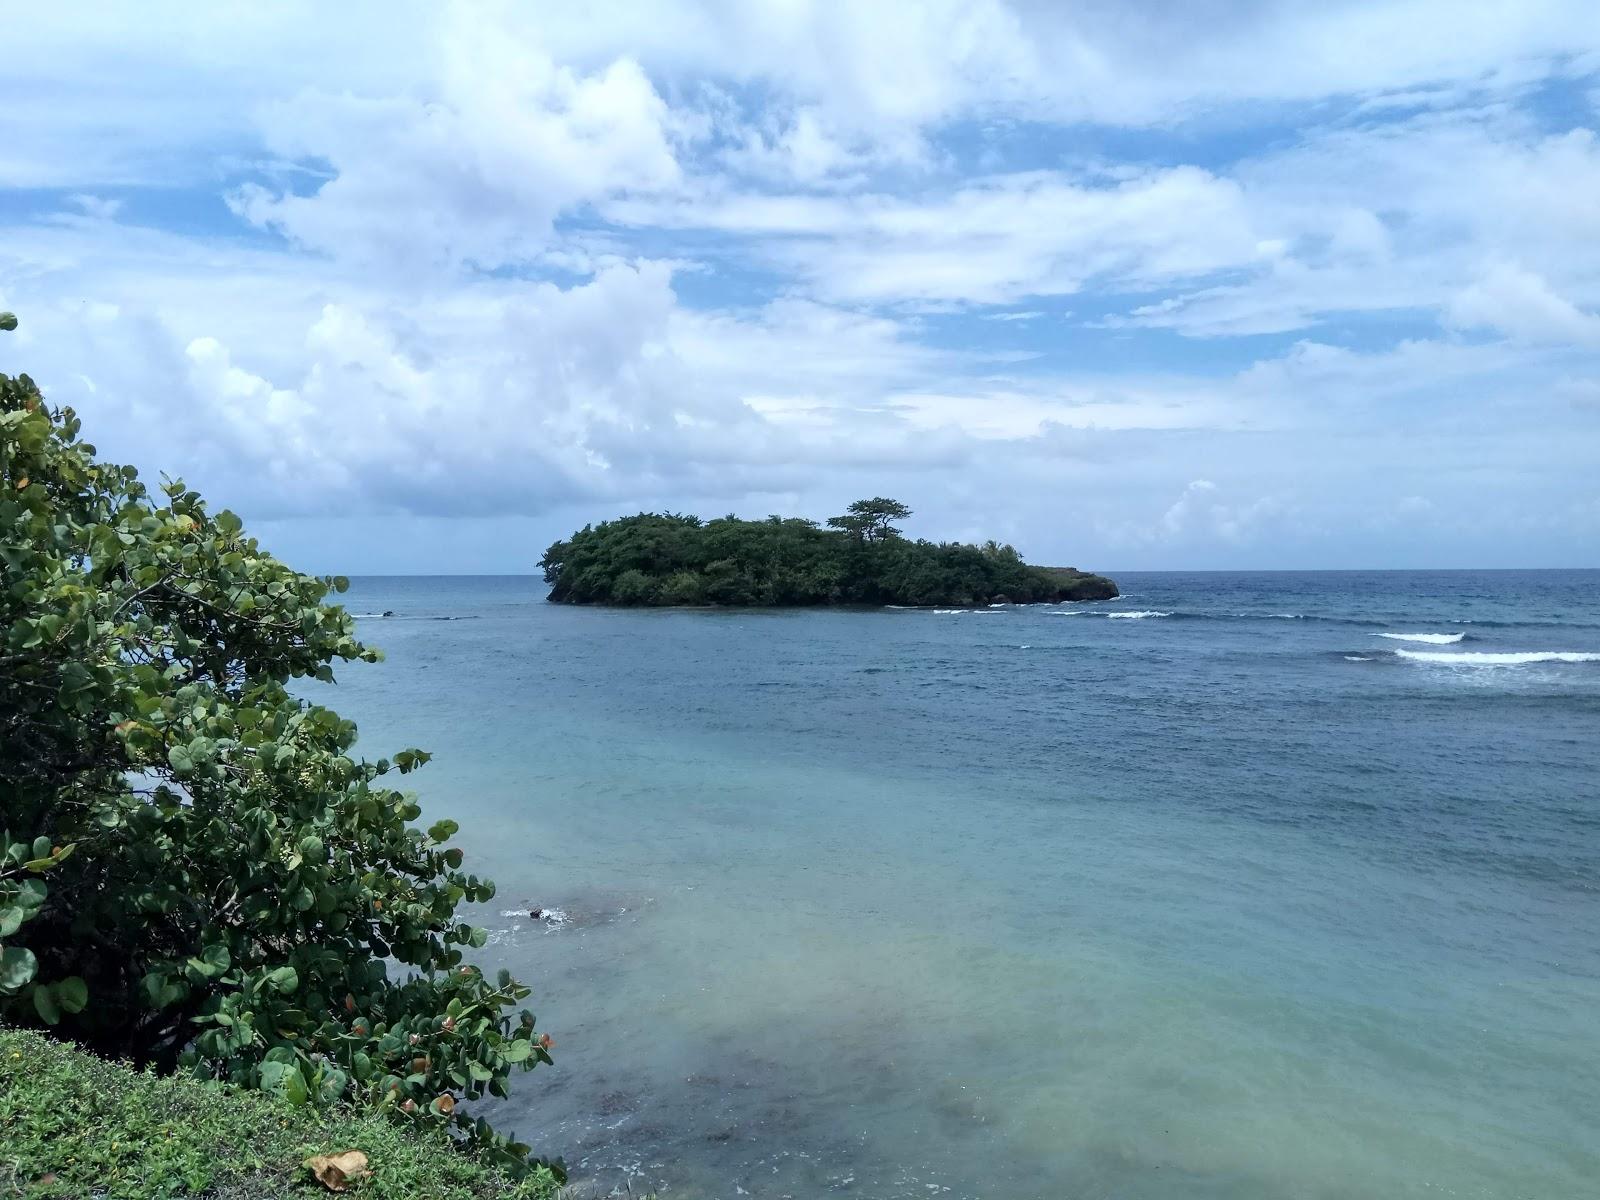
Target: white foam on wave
[949,612]
[1356,658]
[1485,658]
[1137,614]
[1066,612]
[1433,639]
[549,916]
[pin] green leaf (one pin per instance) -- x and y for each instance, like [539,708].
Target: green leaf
[17,967]
[11,919]
[294,1087]
[44,1003]
[52,858]
[443,831]
[333,1086]
[285,979]
[275,1072]
[213,961]
[72,994]
[517,1051]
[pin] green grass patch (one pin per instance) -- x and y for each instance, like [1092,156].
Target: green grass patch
[74,1125]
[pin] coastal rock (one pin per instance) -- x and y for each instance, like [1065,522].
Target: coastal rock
[1073,584]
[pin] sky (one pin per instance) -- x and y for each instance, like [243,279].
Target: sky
[1184,284]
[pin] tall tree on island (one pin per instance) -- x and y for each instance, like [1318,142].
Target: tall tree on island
[869,520]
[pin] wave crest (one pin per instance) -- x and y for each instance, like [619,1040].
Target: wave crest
[1434,639]
[1485,658]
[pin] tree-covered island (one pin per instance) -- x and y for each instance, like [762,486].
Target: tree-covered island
[861,557]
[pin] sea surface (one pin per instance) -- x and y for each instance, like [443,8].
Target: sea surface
[1246,886]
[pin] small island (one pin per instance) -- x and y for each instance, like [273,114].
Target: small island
[669,559]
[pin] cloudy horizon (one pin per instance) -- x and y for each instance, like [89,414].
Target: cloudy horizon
[421,288]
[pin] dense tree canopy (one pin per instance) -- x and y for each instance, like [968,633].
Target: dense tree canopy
[196,869]
[870,520]
[671,559]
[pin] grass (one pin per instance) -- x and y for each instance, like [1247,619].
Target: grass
[74,1125]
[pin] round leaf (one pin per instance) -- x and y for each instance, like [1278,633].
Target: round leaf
[17,967]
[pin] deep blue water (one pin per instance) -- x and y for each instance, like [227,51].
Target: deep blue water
[1235,898]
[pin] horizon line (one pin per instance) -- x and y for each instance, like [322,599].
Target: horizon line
[1109,572]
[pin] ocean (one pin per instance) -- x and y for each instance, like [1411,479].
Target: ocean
[1244,886]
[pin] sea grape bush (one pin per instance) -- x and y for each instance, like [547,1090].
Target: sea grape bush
[197,870]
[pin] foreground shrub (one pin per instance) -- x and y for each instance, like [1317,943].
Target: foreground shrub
[196,870]
[136,1136]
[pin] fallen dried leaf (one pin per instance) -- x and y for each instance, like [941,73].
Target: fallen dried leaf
[336,1171]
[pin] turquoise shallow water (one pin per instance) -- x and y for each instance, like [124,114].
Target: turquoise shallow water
[1238,898]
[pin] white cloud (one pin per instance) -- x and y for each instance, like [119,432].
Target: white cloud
[497,396]
[991,242]
[1177,518]
[1400,217]
[873,75]
[1322,373]
[1520,304]
[472,165]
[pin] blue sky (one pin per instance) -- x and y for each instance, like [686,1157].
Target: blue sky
[421,287]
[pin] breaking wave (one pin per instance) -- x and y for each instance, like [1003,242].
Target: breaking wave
[1485,658]
[1433,639]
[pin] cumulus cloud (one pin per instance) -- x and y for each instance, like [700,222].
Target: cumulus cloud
[1520,304]
[501,397]
[470,166]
